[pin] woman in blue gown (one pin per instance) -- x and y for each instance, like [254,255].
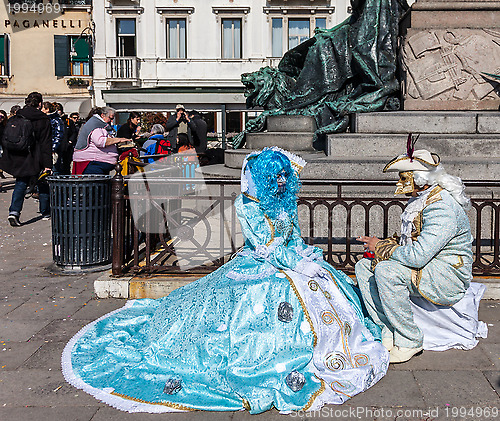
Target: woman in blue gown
[275,326]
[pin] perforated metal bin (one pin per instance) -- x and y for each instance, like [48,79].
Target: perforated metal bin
[81,221]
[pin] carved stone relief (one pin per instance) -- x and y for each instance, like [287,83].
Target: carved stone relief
[448,65]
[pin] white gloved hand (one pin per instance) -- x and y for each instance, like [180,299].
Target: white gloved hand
[312,269]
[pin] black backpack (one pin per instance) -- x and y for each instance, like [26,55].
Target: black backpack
[18,136]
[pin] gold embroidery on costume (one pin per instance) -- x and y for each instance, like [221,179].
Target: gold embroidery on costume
[169,404]
[336,386]
[333,278]
[384,250]
[327,317]
[404,158]
[301,301]
[316,394]
[251,197]
[343,330]
[313,286]
[417,223]
[298,167]
[416,277]
[271,226]
[459,264]
[246,405]
[434,196]
[361,360]
[335,361]
[431,300]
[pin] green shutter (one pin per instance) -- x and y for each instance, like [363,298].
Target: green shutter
[2,49]
[6,55]
[61,55]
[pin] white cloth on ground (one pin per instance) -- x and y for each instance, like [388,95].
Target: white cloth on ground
[456,326]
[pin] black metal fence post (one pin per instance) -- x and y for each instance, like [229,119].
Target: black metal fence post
[118,213]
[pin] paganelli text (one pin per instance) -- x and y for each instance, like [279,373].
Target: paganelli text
[45,23]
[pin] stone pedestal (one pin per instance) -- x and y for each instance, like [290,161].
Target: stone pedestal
[293,133]
[447,47]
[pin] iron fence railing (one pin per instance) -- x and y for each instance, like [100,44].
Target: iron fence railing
[332,213]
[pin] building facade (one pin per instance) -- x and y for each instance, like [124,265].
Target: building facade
[46,47]
[153,54]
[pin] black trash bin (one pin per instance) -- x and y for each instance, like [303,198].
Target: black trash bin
[81,221]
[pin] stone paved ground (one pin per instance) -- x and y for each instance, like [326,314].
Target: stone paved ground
[39,313]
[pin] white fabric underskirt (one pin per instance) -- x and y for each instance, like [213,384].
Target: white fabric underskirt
[345,358]
[451,327]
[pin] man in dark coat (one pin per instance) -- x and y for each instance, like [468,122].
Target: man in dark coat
[26,166]
[179,122]
[199,133]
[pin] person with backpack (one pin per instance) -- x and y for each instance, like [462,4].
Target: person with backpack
[27,151]
[156,144]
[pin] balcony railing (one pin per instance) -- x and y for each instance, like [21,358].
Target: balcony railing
[75,2]
[122,68]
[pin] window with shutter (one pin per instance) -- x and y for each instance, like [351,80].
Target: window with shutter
[80,56]
[61,55]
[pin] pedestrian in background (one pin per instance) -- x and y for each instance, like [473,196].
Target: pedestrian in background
[24,165]
[131,129]
[93,111]
[67,145]
[156,144]
[199,132]
[75,118]
[57,127]
[3,123]
[13,110]
[179,122]
[95,150]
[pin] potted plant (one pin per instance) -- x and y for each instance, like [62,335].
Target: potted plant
[77,81]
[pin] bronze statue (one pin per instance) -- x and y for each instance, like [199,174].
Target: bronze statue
[350,68]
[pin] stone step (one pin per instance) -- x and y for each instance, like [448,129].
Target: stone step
[291,141]
[362,167]
[289,123]
[233,158]
[158,286]
[219,171]
[445,145]
[443,122]
[370,168]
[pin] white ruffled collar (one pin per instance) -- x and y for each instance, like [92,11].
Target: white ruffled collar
[413,208]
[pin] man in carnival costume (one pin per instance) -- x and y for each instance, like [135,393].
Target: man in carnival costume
[432,259]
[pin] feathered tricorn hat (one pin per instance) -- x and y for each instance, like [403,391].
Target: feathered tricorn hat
[412,160]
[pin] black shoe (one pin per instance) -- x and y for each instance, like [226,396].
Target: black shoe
[46,217]
[14,220]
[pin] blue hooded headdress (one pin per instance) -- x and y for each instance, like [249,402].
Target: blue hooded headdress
[259,177]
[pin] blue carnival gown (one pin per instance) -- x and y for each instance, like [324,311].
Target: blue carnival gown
[254,334]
